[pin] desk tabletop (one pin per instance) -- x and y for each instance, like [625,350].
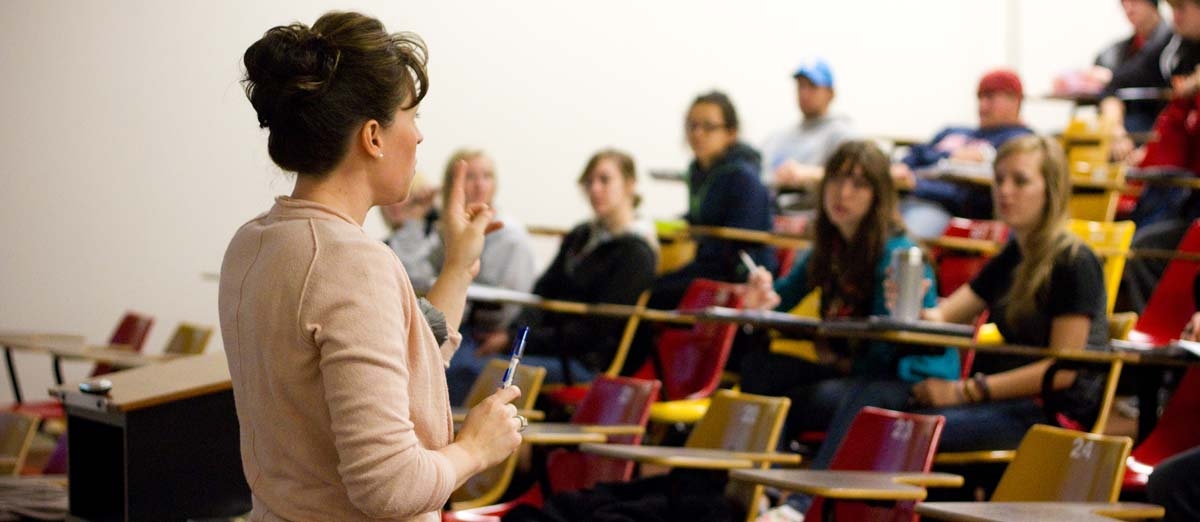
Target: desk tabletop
[695,458]
[71,346]
[182,378]
[459,413]
[570,434]
[851,485]
[1023,511]
[40,341]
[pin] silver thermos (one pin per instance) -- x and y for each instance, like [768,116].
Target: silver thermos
[908,271]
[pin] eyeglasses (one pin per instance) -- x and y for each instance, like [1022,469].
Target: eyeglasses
[703,126]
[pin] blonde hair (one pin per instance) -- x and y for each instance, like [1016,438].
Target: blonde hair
[1049,238]
[465,154]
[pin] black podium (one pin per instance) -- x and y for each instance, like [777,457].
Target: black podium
[162,445]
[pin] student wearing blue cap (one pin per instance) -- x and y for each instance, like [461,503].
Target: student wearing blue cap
[792,157]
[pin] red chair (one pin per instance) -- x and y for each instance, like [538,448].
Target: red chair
[883,440]
[610,401]
[689,361]
[1170,306]
[132,331]
[1178,430]
[956,268]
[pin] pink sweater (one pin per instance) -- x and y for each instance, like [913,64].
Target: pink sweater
[339,384]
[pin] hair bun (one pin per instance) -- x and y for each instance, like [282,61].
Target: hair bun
[288,65]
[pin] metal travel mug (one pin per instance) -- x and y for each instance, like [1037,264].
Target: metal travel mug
[908,269]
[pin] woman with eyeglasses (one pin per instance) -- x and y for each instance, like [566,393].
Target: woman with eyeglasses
[724,190]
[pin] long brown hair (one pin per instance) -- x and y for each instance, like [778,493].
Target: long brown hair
[1049,238]
[835,262]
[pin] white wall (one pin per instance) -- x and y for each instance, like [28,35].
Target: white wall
[131,154]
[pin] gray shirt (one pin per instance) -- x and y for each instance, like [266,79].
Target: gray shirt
[810,142]
[507,261]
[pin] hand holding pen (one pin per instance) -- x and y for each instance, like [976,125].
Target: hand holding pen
[760,292]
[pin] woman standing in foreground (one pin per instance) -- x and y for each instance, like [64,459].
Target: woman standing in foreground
[338,369]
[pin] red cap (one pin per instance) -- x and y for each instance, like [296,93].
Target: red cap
[1001,80]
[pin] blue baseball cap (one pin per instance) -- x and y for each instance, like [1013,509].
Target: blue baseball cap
[817,71]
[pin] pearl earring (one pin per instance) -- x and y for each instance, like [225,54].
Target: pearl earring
[381,154]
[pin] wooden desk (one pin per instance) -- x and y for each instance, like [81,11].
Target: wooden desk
[749,236]
[965,244]
[781,321]
[1025,511]
[569,434]
[693,458]
[851,485]
[32,341]
[162,445]
[66,346]
[459,413]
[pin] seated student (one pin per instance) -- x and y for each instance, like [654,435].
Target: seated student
[414,231]
[794,157]
[857,232]
[1045,288]
[607,259]
[1164,213]
[724,190]
[507,261]
[928,209]
[1134,62]
[1175,482]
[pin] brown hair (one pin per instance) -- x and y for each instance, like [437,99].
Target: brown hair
[314,87]
[835,262]
[722,101]
[1049,238]
[624,163]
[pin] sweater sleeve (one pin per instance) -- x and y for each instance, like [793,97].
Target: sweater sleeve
[354,311]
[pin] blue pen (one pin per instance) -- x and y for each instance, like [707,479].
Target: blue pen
[518,350]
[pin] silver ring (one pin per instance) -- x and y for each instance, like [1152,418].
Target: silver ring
[524,423]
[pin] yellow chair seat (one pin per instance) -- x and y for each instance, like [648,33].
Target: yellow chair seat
[989,334]
[686,411]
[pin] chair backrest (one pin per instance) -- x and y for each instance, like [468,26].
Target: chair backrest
[1178,430]
[740,422]
[1055,464]
[488,486]
[16,435]
[689,362]
[528,378]
[956,268]
[703,293]
[883,440]
[609,401]
[189,339]
[132,331]
[1170,306]
[1111,242]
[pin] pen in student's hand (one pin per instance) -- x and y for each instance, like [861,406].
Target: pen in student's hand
[518,351]
[746,260]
